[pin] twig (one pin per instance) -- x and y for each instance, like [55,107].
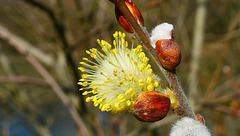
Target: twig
[57,89]
[60,30]
[171,77]
[228,110]
[16,94]
[198,40]
[226,40]
[23,79]
[26,46]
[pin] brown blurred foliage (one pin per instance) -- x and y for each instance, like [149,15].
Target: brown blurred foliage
[58,32]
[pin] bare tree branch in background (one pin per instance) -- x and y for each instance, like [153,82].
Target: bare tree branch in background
[198,39]
[27,47]
[60,30]
[23,79]
[51,81]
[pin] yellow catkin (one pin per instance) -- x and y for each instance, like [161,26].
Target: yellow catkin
[117,75]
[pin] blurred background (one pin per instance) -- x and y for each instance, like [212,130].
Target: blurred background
[42,42]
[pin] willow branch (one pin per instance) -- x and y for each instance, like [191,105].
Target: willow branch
[171,77]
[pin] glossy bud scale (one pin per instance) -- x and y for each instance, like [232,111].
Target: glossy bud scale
[151,106]
[169,53]
[135,12]
[200,119]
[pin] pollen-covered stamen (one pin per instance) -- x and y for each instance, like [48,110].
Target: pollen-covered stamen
[118,76]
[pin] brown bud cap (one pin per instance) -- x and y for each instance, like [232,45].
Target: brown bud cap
[169,53]
[201,119]
[151,106]
[135,12]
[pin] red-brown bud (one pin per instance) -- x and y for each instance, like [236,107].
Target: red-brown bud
[169,53]
[200,119]
[135,12]
[151,106]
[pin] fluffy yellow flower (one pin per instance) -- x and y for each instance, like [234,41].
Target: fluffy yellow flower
[118,76]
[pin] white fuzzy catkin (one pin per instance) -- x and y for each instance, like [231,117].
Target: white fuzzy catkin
[189,127]
[162,31]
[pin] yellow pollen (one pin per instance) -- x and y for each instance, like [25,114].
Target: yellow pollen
[85,93]
[115,50]
[148,66]
[81,79]
[95,66]
[115,71]
[149,79]
[120,34]
[142,66]
[88,99]
[94,99]
[128,50]
[84,75]
[82,63]
[93,50]
[98,41]
[86,59]
[101,105]
[150,87]
[93,55]
[85,84]
[128,103]
[128,91]
[141,84]
[145,60]
[133,96]
[117,104]
[88,52]
[149,71]
[121,82]
[114,43]
[94,91]
[120,96]
[81,69]
[81,89]
[115,34]
[156,84]
[94,87]
[142,55]
[104,107]
[140,81]
[95,103]
[100,101]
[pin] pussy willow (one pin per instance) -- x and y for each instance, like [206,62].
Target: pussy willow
[115,78]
